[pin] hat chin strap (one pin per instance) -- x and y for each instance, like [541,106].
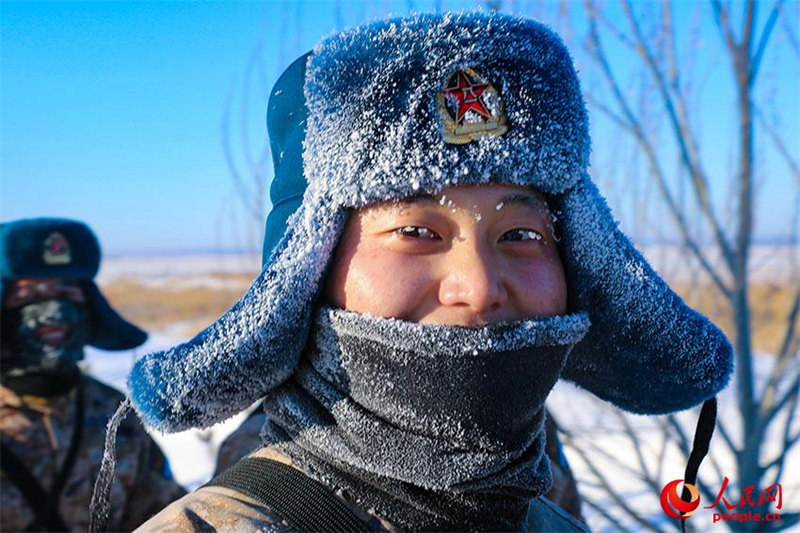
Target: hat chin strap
[702,439]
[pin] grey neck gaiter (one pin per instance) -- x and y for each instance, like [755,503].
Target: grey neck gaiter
[434,427]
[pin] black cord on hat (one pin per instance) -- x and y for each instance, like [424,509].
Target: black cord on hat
[702,438]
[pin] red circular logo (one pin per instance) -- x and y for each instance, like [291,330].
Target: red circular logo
[672,503]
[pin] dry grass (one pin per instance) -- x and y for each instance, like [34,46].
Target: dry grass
[770,303]
[193,308]
[155,308]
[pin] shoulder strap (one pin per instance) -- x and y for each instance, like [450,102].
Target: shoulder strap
[304,503]
[45,504]
[72,453]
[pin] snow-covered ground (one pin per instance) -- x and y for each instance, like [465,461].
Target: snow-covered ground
[594,425]
[603,433]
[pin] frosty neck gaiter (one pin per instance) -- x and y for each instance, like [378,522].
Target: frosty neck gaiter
[434,427]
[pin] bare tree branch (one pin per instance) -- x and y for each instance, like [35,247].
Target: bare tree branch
[765,35]
[615,459]
[788,441]
[792,390]
[669,32]
[784,355]
[748,22]
[645,476]
[662,452]
[779,145]
[723,22]
[635,127]
[250,203]
[676,111]
[613,494]
[601,510]
[616,119]
[791,37]
[616,32]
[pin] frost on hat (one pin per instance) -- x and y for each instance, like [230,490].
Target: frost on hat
[369,111]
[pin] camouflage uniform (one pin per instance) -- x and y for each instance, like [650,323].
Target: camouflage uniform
[38,431]
[213,508]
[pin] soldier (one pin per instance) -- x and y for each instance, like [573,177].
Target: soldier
[52,416]
[437,257]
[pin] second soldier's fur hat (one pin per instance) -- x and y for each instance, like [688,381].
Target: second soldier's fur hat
[62,248]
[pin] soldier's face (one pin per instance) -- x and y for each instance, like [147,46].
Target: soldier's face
[45,317]
[470,255]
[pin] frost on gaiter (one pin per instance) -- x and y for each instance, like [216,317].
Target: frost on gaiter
[435,427]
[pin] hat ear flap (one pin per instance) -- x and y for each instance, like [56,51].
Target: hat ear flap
[109,330]
[251,349]
[647,351]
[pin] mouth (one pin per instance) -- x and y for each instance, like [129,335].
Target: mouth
[53,335]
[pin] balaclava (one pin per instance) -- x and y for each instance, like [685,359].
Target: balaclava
[50,250]
[31,364]
[385,112]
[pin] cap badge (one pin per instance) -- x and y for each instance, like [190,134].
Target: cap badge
[56,250]
[470,108]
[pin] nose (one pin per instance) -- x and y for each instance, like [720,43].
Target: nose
[472,279]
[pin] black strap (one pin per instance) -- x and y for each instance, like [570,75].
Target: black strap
[305,504]
[702,438]
[45,505]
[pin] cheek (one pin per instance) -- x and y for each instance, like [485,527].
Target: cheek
[542,288]
[385,284]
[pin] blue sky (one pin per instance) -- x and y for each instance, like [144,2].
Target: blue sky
[111,113]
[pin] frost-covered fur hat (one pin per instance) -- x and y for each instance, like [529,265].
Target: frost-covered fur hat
[62,248]
[410,106]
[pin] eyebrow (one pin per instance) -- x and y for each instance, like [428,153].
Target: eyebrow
[512,198]
[526,200]
[422,198]
[529,201]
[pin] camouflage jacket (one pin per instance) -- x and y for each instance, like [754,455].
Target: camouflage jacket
[564,492]
[213,508]
[38,431]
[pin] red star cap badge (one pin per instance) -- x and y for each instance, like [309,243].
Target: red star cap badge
[468,96]
[464,91]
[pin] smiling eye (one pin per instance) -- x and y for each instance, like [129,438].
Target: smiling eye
[418,232]
[522,234]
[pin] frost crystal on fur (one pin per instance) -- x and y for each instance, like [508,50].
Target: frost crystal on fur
[375,130]
[374,133]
